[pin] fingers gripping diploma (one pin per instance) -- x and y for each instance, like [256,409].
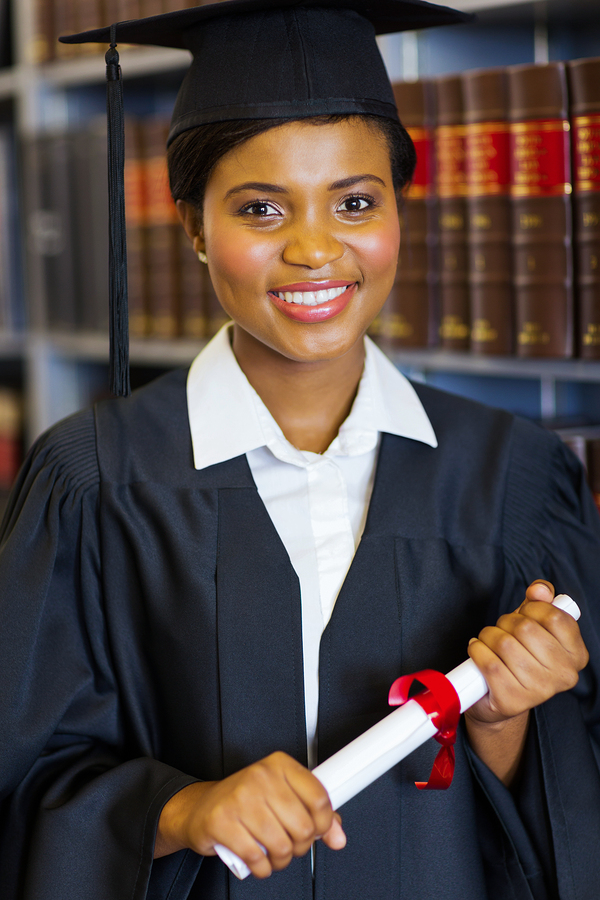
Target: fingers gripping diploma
[529,656]
[275,803]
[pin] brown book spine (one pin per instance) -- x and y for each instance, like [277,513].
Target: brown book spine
[593,468]
[135,215]
[216,316]
[191,287]
[162,234]
[90,15]
[152,8]
[541,210]
[408,317]
[11,426]
[128,9]
[42,46]
[584,85]
[487,151]
[451,185]
[65,22]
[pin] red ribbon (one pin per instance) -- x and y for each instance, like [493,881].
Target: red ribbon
[442,704]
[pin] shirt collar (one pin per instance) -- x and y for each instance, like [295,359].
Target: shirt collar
[228,418]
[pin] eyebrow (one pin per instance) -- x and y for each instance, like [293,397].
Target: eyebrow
[278,189]
[256,186]
[355,179]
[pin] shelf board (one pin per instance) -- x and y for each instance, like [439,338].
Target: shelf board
[8,83]
[482,5]
[89,347]
[12,345]
[423,361]
[135,61]
[82,347]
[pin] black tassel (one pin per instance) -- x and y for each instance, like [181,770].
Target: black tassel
[119,316]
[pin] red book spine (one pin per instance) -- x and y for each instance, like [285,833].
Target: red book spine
[541,210]
[451,187]
[135,213]
[161,236]
[586,170]
[409,318]
[584,89]
[488,207]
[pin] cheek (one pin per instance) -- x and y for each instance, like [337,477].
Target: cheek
[238,259]
[379,249]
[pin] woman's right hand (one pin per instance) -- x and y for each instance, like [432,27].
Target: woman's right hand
[275,802]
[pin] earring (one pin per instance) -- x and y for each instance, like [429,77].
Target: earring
[202,257]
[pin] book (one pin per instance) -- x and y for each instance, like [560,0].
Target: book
[51,226]
[12,315]
[153,8]
[216,316]
[541,209]
[6,55]
[191,290]
[451,187]
[161,233]
[128,9]
[408,318]
[584,87]
[91,14]
[11,441]
[135,217]
[41,46]
[65,22]
[90,178]
[487,162]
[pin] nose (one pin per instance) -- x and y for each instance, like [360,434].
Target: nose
[312,245]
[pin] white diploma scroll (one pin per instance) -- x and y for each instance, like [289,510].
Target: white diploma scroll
[372,753]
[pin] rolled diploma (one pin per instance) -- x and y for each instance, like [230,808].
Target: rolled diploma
[372,753]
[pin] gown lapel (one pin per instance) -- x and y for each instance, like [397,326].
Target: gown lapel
[260,659]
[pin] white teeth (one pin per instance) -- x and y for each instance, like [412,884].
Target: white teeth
[311,298]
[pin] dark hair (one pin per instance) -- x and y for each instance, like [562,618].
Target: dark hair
[193,155]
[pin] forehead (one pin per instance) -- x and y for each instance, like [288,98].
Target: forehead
[305,153]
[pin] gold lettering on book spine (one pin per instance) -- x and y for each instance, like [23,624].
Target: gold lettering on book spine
[487,161]
[450,156]
[586,152]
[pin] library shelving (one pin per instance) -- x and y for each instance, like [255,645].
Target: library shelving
[61,371]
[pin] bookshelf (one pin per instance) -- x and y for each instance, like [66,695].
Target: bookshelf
[61,371]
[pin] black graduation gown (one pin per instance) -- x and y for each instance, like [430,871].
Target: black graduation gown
[151,636]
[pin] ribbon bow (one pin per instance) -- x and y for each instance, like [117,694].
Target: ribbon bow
[442,704]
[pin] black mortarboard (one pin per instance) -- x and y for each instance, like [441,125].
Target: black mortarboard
[255,59]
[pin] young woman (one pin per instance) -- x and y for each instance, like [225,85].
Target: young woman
[210,586]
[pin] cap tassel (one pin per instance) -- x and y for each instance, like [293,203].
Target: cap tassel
[119,318]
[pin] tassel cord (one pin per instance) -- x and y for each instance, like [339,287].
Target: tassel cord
[118,302]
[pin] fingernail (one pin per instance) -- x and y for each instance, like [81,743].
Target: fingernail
[471,641]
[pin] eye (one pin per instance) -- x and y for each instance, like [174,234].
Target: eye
[357,203]
[259,209]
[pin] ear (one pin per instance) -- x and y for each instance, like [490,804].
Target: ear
[188,216]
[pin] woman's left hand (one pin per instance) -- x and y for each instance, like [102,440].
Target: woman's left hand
[529,656]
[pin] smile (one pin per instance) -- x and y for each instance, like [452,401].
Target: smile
[313,302]
[311,298]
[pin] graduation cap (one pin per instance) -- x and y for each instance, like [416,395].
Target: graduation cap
[253,59]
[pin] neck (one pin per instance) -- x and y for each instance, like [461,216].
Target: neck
[308,400]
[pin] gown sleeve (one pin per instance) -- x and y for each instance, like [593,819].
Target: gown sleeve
[79,804]
[544,836]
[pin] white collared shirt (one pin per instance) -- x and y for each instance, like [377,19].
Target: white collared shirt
[317,502]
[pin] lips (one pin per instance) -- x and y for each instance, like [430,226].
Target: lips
[313,301]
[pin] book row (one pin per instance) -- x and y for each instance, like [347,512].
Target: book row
[501,225]
[53,18]
[11,294]
[170,293]
[585,444]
